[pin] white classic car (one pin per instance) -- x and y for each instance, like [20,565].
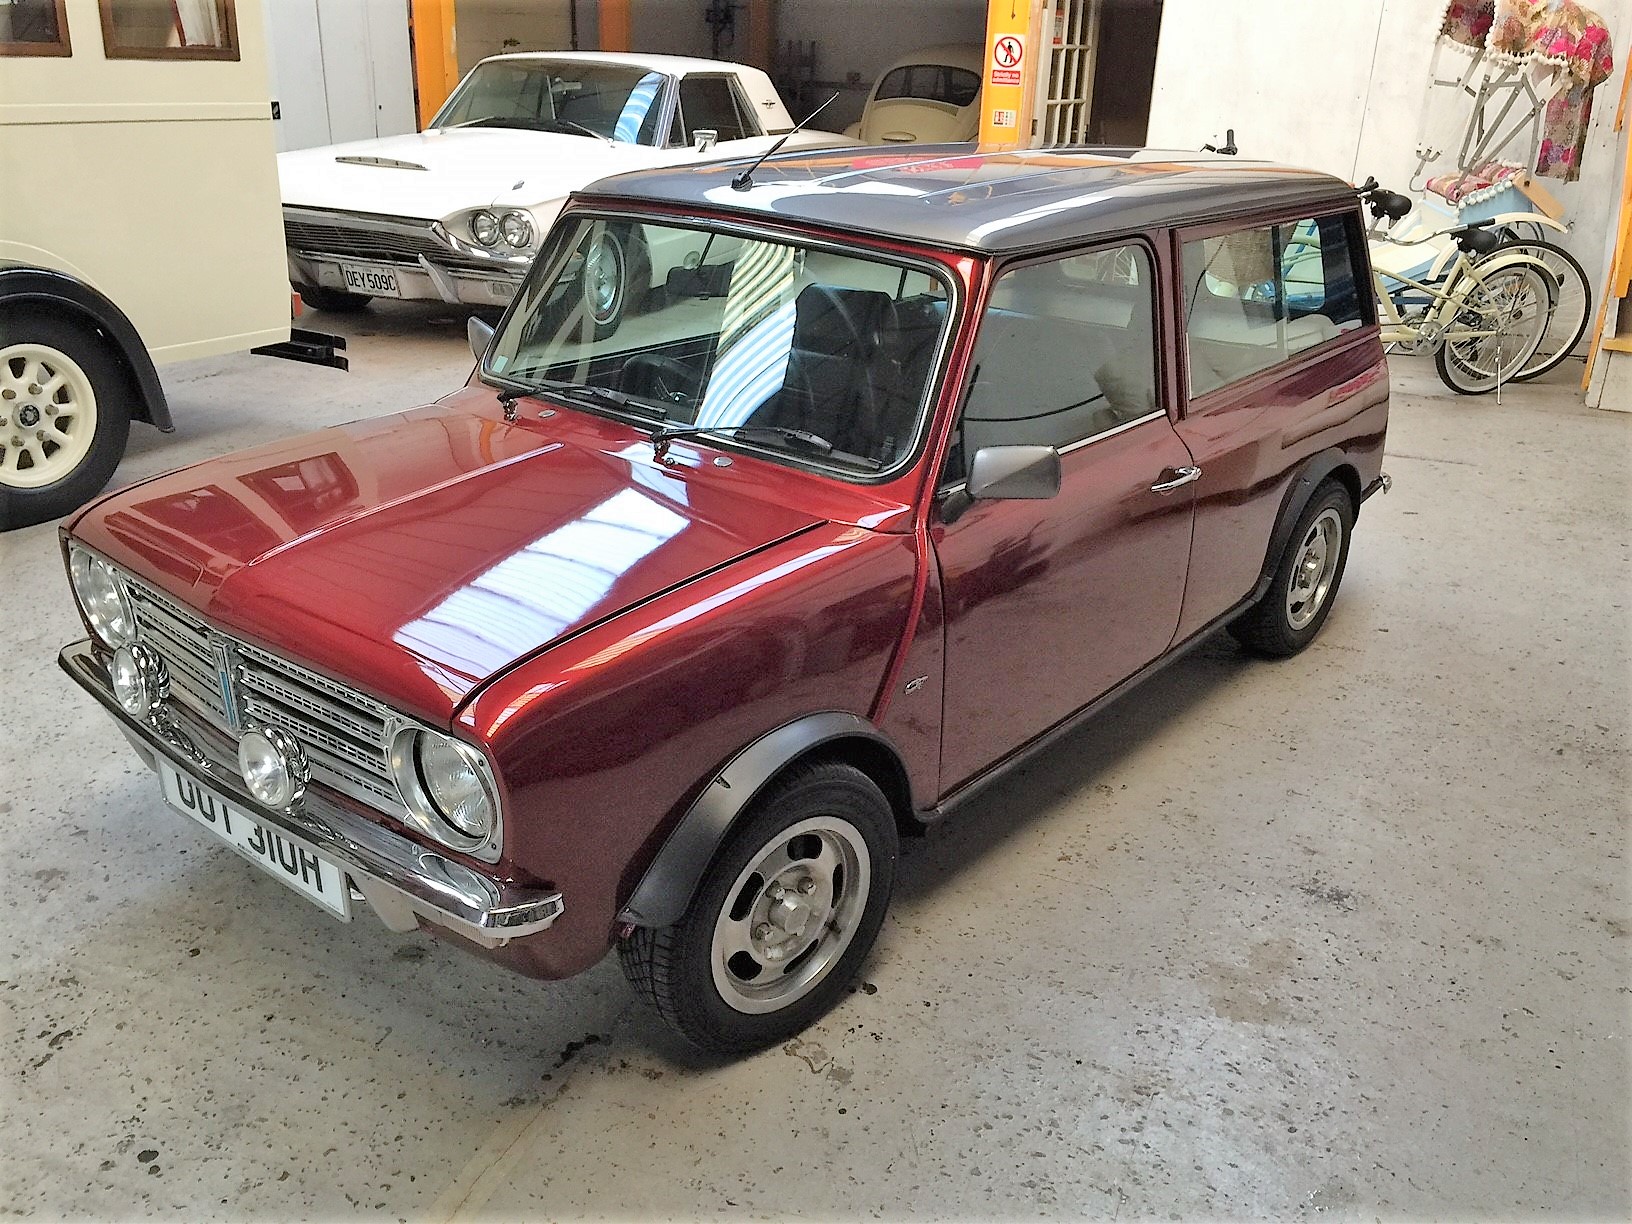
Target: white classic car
[456,213]
[931,96]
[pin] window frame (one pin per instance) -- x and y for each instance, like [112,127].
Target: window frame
[60,49]
[1192,404]
[226,14]
[1142,239]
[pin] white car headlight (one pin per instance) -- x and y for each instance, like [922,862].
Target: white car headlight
[101,598]
[484,227]
[446,785]
[517,229]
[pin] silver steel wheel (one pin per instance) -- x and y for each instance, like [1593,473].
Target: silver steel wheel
[790,915]
[1312,575]
[604,277]
[47,415]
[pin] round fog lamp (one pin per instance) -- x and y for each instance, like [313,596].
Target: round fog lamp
[484,227]
[139,679]
[273,765]
[517,228]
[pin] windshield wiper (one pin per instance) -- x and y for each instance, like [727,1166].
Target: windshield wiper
[585,393]
[662,437]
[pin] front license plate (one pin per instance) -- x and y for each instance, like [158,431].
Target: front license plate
[372,280]
[299,868]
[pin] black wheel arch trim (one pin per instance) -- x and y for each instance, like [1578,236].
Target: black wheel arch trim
[665,890]
[1293,503]
[22,283]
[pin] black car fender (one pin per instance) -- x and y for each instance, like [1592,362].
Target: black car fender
[669,883]
[1295,500]
[73,299]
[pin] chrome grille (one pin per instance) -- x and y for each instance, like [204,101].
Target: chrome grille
[391,240]
[343,732]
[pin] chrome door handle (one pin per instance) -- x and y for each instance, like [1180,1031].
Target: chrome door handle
[1181,477]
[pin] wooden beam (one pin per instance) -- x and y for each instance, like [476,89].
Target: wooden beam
[1015,43]
[616,26]
[761,33]
[436,58]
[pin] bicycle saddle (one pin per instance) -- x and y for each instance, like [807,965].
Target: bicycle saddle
[1390,204]
[1476,239]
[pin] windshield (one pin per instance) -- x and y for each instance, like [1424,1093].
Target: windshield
[612,101]
[813,356]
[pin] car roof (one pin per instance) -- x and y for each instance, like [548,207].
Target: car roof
[674,65]
[958,55]
[959,196]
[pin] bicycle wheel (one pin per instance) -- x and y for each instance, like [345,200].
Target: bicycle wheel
[1497,328]
[1569,309]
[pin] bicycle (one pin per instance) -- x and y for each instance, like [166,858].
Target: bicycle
[1484,313]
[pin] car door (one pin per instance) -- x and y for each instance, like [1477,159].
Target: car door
[1049,603]
[1280,357]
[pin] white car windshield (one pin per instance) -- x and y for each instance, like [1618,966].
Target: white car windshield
[608,101]
[816,357]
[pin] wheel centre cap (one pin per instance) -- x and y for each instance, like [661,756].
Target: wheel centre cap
[790,916]
[28,416]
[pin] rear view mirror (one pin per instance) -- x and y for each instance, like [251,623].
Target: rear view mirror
[480,334]
[1014,472]
[704,139]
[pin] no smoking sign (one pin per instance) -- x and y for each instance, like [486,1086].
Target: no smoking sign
[1008,50]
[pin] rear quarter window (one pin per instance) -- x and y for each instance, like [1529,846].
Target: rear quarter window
[1259,296]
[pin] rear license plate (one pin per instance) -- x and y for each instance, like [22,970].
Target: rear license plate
[307,873]
[370,279]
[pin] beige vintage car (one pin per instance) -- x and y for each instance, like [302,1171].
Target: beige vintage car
[926,97]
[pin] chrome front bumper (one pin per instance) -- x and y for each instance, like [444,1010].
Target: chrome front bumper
[401,880]
[422,280]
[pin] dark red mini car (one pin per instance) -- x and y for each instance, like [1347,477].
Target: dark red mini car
[662,631]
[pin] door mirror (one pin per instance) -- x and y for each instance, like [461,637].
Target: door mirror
[704,139]
[480,335]
[1014,472]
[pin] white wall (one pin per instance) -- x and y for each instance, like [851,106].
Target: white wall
[340,70]
[1339,86]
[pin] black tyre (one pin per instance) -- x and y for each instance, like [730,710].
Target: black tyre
[64,416]
[335,301]
[782,919]
[1300,594]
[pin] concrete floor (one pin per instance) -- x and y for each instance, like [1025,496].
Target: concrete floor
[1343,936]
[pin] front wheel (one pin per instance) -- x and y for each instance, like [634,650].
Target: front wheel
[783,917]
[64,417]
[1306,579]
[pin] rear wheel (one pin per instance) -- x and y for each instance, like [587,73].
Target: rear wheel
[1306,579]
[782,919]
[335,301]
[64,417]
[1496,330]
[1569,305]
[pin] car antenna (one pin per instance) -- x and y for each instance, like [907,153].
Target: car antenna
[745,180]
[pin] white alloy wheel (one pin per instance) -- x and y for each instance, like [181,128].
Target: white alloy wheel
[47,415]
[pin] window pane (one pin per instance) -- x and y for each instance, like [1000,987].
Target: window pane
[931,82]
[589,100]
[153,29]
[34,22]
[1257,297]
[1066,351]
[708,104]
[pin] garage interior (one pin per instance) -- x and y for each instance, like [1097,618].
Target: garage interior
[1341,936]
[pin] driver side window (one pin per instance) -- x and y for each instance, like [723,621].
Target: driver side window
[713,103]
[1066,352]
